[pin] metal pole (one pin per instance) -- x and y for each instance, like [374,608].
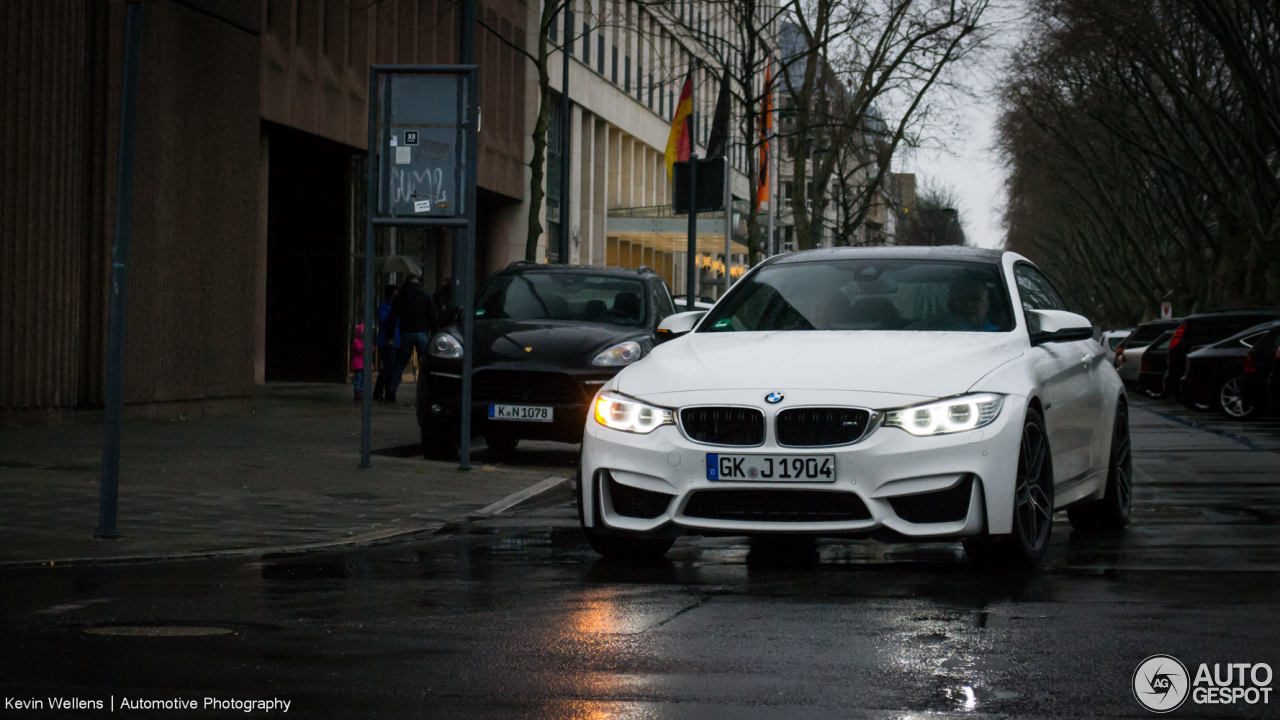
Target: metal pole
[690,263]
[370,209]
[773,195]
[109,490]
[467,49]
[566,133]
[728,218]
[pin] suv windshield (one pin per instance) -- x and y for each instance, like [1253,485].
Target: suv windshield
[880,294]
[563,296]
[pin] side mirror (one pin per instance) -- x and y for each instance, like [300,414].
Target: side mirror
[1046,326]
[679,324]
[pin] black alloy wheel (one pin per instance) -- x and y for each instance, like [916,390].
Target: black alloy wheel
[1111,511]
[1232,402]
[1027,545]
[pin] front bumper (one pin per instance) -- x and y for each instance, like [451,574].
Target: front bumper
[439,401]
[880,470]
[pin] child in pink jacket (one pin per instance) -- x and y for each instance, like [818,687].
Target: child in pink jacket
[357,362]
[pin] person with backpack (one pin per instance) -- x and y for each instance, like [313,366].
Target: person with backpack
[388,343]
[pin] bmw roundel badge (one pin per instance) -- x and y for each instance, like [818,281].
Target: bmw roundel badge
[774,398]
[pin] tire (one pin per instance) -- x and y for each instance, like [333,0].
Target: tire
[623,548]
[501,444]
[1027,545]
[1111,511]
[1231,402]
[1190,404]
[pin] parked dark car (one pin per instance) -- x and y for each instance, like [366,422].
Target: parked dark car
[1259,366]
[1129,352]
[1197,331]
[1215,374]
[546,338]
[1154,362]
[1273,384]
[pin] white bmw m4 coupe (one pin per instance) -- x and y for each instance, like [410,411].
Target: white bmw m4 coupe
[904,394]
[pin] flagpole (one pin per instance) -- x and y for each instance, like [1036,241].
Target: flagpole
[728,217]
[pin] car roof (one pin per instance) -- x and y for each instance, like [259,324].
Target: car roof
[1261,311]
[945,252]
[524,266]
[1170,321]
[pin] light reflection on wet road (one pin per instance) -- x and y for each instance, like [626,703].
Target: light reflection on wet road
[515,617]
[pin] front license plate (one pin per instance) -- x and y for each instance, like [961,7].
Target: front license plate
[772,468]
[527,413]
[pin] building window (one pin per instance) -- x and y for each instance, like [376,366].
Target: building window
[613,66]
[554,31]
[586,44]
[600,56]
[626,75]
[651,93]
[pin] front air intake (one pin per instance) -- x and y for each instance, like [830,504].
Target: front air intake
[776,506]
[635,502]
[950,505]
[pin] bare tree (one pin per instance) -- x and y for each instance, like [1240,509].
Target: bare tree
[869,69]
[935,219]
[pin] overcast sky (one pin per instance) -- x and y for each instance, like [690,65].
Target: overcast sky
[969,164]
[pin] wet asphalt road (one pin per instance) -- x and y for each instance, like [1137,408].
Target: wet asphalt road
[516,617]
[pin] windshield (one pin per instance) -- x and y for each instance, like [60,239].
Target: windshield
[1146,333]
[563,296]
[880,294]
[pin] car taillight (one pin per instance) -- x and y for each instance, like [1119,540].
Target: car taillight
[1146,363]
[1248,364]
[1177,336]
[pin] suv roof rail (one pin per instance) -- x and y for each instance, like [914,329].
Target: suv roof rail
[645,269]
[522,262]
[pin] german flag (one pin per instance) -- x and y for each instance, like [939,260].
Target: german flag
[766,132]
[680,140]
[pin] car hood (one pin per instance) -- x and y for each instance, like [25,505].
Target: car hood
[548,341]
[921,364]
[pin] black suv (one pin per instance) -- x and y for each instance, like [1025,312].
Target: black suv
[1197,331]
[546,338]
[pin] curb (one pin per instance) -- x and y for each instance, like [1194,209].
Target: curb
[371,539]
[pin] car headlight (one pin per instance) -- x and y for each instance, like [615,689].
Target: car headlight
[621,354]
[620,412]
[444,345]
[967,412]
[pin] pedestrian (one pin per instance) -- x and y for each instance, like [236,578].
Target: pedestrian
[357,363]
[388,343]
[413,313]
[443,306]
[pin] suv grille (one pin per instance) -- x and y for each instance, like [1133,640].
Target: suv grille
[812,427]
[724,425]
[527,387]
[637,503]
[776,506]
[950,505]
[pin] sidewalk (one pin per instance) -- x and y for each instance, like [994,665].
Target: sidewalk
[284,476]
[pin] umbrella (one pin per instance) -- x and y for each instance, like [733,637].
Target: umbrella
[400,264]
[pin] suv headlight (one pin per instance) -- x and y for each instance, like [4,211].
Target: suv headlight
[623,353]
[620,412]
[967,412]
[444,345]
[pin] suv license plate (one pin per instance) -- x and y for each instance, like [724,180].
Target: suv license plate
[527,413]
[771,468]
